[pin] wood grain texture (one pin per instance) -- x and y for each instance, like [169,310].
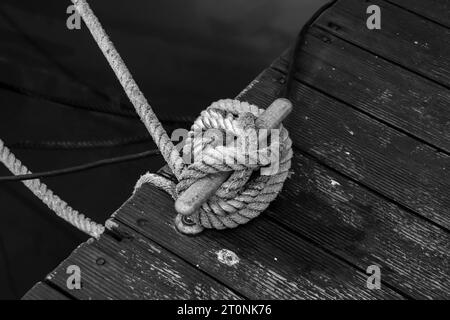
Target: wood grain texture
[135,268]
[375,86]
[269,262]
[347,218]
[343,216]
[405,38]
[364,229]
[42,291]
[436,10]
[388,161]
[369,185]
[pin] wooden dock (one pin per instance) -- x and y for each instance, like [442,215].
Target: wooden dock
[370,181]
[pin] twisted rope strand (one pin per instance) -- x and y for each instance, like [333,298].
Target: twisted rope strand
[251,197]
[240,199]
[243,196]
[140,103]
[143,109]
[40,190]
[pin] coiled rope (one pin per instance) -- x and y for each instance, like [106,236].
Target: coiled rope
[244,195]
[241,198]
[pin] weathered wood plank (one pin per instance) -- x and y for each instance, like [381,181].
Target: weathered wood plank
[145,257]
[396,165]
[265,261]
[345,217]
[365,229]
[328,229]
[436,10]
[404,37]
[135,268]
[42,291]
[375,86]
[102,281]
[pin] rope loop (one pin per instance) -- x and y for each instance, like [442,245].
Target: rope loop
[259,169]
[224,138]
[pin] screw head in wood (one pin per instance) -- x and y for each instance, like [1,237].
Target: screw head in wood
[186,225]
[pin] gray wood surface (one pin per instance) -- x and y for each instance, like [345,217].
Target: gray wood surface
[435,10]
[404,38]
[42,291]
[135,268]
[388,161]
[369,83]
[273,263]
[369,185]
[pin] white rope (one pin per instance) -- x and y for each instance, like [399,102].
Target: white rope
[143,109]
[40,190]
[237,201]
[137,98]
[243,196]
[250,198]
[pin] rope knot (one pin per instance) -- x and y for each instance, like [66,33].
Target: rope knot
[225,138]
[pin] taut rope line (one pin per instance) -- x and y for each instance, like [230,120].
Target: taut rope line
[240,198]
[137,98]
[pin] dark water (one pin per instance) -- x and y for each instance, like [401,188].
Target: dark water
[183,54]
